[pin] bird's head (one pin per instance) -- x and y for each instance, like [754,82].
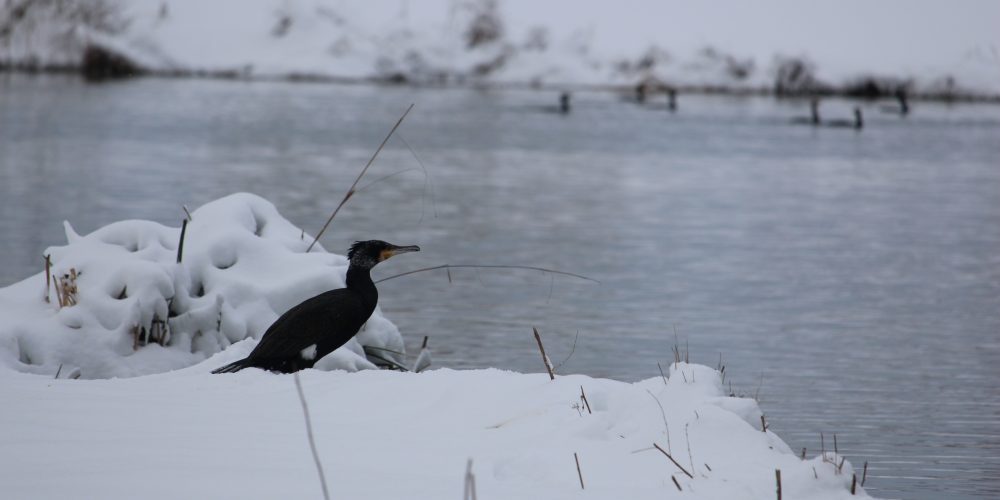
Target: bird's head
[366,254]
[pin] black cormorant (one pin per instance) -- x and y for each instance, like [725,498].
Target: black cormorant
[318,326]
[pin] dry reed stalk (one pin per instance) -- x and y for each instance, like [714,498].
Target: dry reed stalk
[578,473]
[678,485]
[687,438]
[180,244]
[661,373]
[854,483]
[470,482]
[309,433]
[449,267]
[548,364]
[763,423]
[351,190]
[864,474]
[679,466]
[583,395]
[777,477]
[186,212]
[48,276]
[666,426]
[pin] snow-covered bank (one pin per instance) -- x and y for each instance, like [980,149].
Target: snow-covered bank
[125,307]
[380,434]
[931,47]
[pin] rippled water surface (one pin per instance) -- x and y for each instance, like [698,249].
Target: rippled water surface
[852,280]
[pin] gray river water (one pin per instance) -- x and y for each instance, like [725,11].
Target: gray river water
[851,280]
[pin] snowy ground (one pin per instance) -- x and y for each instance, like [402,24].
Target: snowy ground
[932,45]
[173,430]
[380,434]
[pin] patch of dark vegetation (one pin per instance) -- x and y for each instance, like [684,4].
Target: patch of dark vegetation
[486,26]
[874,87]
[734,67]
[796,76]
[100,63]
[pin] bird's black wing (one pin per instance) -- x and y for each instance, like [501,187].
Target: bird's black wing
[330,313]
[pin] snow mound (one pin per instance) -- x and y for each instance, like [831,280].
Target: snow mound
[387,435]
[125,306]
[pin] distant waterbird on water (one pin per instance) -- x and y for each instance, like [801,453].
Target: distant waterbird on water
[564,102]
[318,326]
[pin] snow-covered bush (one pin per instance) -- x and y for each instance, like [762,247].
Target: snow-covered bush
[136,310]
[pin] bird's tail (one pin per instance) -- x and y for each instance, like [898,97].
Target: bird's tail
[233,367]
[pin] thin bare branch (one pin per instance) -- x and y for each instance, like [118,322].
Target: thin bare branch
[571,351]
[449,267]
[383,178]
[428,185]
[351,190]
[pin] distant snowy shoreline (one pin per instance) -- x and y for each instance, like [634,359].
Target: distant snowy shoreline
[719,49]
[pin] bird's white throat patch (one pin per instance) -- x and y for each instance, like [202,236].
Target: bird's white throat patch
[309,352]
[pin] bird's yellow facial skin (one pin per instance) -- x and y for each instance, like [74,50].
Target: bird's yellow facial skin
[385,254]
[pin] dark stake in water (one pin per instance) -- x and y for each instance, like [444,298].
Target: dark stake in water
[852,279]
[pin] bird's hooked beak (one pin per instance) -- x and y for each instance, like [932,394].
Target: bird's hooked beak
[396,250]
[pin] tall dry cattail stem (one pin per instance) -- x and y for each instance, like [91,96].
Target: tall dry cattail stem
[854,483]
[548,364]
[354,185]
[180,244]
[864,474]
[679,466]
[678,485]
[763,424]
[664,377]
[777,478]
[583,395]
[578,473]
